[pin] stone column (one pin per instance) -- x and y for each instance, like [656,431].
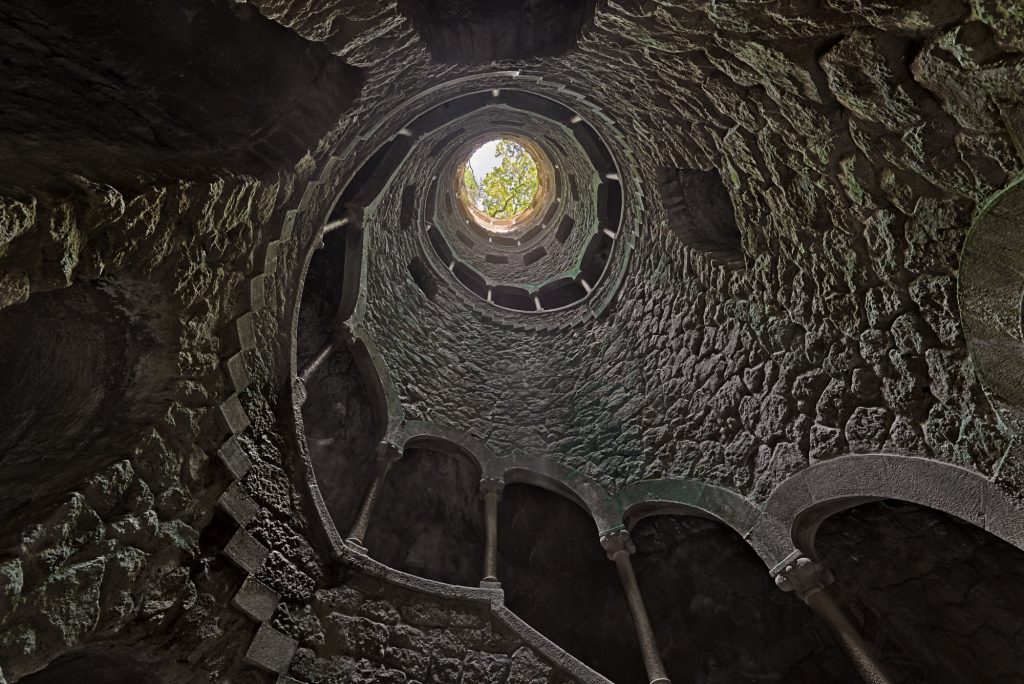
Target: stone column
[619,547]
[808,579]
[490,490]
[387,453]
[318,361]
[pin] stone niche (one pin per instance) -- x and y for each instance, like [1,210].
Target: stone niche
[476,32]
[86,365]
[700,211]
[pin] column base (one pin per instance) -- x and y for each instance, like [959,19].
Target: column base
[661,680]
[490,583]
[356,545]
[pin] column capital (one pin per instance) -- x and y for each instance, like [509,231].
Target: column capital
[388,452]
[346,333]
[617,542]
[353,216]
[491,485]
[803,576]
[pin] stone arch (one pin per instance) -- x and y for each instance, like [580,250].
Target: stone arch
[991,291]
[387,406]
[807,498]
[429,520]
[558,579]
[422,434]
[340,351]
[534,469]
[716,613]
[548,474]
[678,496]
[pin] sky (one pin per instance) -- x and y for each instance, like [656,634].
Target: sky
[484,159]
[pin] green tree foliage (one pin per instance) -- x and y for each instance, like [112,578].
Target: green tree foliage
[473,191]
[508,189]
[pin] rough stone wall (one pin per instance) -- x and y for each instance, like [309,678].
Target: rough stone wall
[114,553]
[368,631]
[142,91]
[857,143]
[126,556]
[841,334]
[118,547]
[114,550]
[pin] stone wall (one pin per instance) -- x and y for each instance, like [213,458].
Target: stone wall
[855,145]
[367,631]
[840,335]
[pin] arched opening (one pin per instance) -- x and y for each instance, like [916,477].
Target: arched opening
[717,614]
[339,421]
[506,29]
[424,279]
[504,182]
[558,579]
[321,296]
[338,415]
[940,598]
[700,211]
[429,521]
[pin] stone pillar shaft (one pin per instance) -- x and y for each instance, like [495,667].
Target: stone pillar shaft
[317,361]
[619,547]
[490,490]
[386,455]
[808,580]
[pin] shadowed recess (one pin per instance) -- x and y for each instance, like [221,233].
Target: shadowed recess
[939,597]
[76,358]
[157,89]
[471,32]
[558,578]
[430,522]
[718,616]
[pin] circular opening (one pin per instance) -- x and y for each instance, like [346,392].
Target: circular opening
[500,181]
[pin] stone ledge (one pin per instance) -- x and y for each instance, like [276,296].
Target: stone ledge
[231,455]
[246,552]
[256,600]
[238,505]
